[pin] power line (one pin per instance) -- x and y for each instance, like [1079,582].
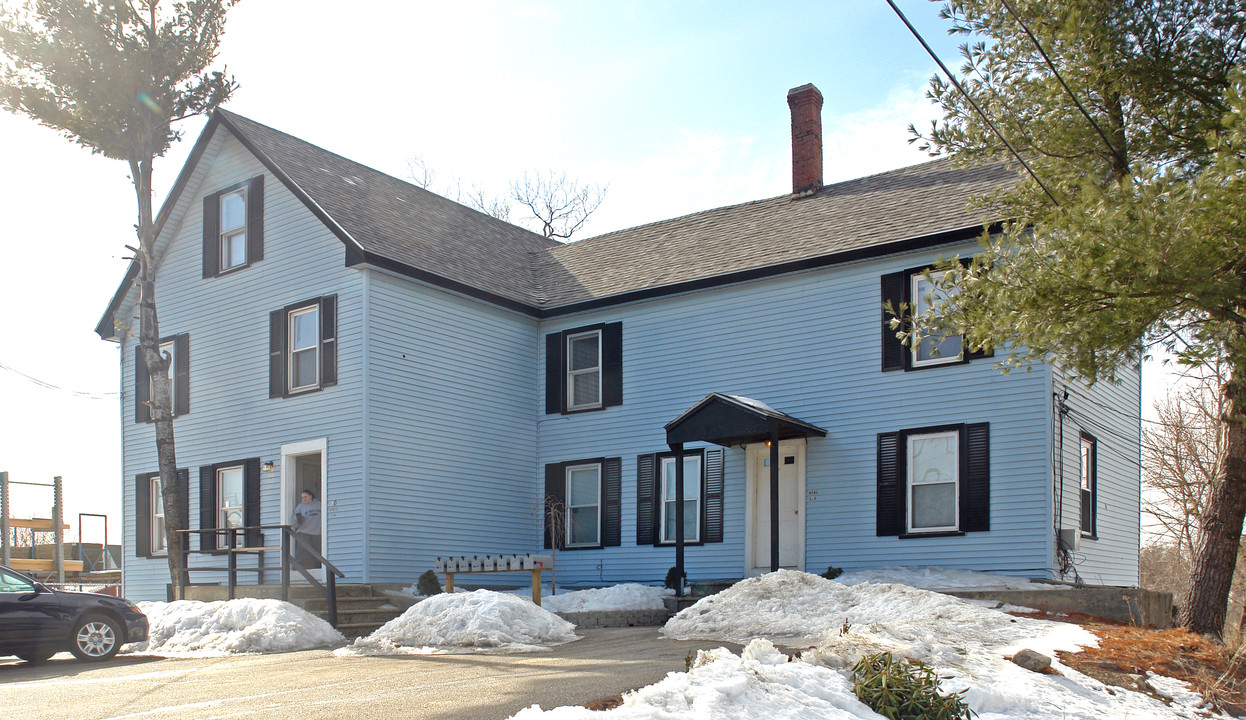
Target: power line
[968,97]
[52,386]
[1064,85]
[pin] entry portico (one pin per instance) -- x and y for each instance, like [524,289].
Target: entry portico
[733,420]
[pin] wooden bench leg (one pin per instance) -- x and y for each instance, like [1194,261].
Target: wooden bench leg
[536,587]
[450,582]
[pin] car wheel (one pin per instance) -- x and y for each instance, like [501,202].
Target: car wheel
[96,637]
[35,657]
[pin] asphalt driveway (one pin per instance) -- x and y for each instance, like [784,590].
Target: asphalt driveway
[314,684]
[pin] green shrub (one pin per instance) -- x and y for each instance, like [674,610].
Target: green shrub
[832,573]
[904,690]
[427,585]
[672,579]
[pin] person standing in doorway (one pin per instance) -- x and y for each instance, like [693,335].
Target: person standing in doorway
[307,529]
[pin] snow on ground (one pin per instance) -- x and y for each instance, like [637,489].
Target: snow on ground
[836,624]
[477,621]
[941,579]
[628,596]
[244,625]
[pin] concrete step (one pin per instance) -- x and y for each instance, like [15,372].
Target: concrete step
[319,604]
[357,630]
[360,617]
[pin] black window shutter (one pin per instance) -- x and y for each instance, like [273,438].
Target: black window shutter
[211,235]
[975,488]
[611,502]
[255,219]
[142,387]
[142,515]
[183,493]
[181,374]
[553,373]
[713,496]
[277,353]
[207,506]
[890,511]
[555,499]
[893,291]
[251,502]
[328,340]
[612,364]
[646,513]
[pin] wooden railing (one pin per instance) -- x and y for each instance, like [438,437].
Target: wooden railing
[232,550]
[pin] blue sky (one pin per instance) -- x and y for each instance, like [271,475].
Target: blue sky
[678,106]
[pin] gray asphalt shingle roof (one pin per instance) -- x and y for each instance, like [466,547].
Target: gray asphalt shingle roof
[405,223]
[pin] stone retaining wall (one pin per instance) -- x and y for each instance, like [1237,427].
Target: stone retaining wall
[1128,605]
[617,618]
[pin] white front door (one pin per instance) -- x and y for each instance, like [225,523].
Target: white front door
[791,507]
[303,468]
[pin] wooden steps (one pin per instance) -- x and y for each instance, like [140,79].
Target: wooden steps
[361,608]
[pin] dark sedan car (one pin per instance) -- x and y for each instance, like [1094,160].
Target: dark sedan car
[36,622]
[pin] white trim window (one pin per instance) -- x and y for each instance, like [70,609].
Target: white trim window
[170,349]
[233,242]
[230,493]
[930,345]
[934,481]
[584,505]
[584,370]
[692,499]
[158,546]
[1089,472]
[303,369]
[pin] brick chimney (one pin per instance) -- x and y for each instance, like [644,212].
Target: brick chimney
[806,105]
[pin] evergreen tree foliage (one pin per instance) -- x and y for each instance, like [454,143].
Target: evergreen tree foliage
[1131,113]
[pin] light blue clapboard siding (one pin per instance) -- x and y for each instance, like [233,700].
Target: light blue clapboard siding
[808,345]
[452,438]
[1109,411]
[231,416]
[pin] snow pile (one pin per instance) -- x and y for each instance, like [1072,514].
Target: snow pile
[847,621]
[941,579]
[966,644]
[243,625]
[759,683]
[762,683]
[478,620]
[628,596]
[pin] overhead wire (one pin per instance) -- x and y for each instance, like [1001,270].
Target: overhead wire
[972,102]
[53,386]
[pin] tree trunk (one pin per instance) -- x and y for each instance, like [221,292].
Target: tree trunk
[1211,574]
[161,397]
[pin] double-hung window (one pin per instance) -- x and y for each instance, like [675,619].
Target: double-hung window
[233,230]
[169,350]
[583,517]
[303,347]
[692,499]
[230,494]
[1089,472]
[933,481]
[158,546]
[584,370]
[233,227]
[304,328]
[931,344]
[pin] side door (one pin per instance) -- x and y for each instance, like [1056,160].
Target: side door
[28,616]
